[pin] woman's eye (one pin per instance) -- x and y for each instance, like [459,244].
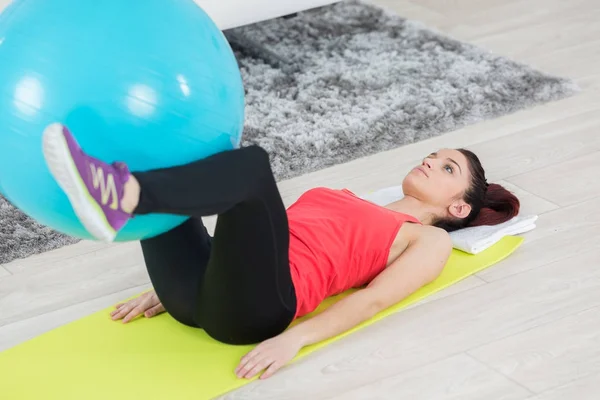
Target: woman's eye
[449,168]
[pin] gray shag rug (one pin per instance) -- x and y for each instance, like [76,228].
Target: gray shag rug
[342,82]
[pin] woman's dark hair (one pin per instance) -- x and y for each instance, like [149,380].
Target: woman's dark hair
[491,204]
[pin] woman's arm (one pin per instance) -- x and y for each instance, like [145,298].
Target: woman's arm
[421,262]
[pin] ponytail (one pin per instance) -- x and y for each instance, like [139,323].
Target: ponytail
[499,205]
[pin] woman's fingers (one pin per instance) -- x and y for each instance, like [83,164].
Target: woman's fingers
[255,366]
[147,304]
[126,309]
[247,359]
[271,370]
[118,307]
[121,312]
[133,313]
[157,309]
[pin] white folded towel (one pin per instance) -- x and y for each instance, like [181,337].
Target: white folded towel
[472,240]
[478,238]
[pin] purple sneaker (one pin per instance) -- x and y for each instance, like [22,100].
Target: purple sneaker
[94,188]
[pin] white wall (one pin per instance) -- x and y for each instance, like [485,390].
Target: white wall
[232,13]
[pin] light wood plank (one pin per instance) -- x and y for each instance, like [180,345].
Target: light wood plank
[61,254]
[417,12]
[457,9]
[530,203]
[21,331]
[458,377]
[46,288]
[429,333]
[582,389]
[494,18]
[544,38]
[3,272]
[459,287]
[540,146]
[565,183]
[559,234]
[551,355]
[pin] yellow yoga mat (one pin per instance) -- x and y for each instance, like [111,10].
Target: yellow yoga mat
[158,358]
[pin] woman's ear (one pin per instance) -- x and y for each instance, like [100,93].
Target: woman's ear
[459,209]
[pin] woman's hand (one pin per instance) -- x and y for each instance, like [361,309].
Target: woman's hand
[147,304]
[271,355]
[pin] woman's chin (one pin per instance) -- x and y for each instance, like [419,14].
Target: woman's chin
[414,177]
[410,184]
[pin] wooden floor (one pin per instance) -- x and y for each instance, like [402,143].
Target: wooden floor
[528,328]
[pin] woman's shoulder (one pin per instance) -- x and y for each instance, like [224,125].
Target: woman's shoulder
[425,237]
[414,232]
[438,237]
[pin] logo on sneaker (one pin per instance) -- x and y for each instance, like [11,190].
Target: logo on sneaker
[108,188]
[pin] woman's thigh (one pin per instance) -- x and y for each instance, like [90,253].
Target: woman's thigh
[247,294]
[176,262]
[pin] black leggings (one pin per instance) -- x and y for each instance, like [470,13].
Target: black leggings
[236,286]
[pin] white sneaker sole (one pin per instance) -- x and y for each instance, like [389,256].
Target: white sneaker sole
[63,169]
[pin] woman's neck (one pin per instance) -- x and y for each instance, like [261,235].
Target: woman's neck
[414,207]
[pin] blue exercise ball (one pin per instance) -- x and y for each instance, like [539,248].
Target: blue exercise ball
[153,83]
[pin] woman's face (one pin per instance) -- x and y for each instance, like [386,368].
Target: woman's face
[440,181]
